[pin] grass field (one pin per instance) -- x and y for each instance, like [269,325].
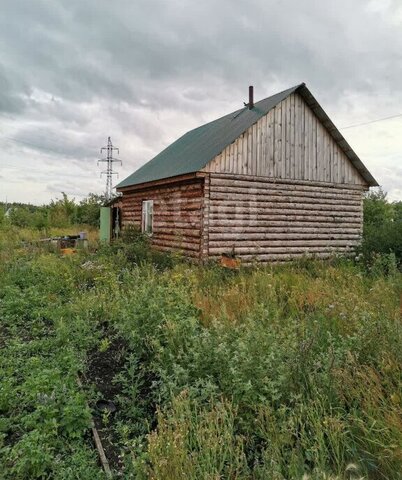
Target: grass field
[282,372]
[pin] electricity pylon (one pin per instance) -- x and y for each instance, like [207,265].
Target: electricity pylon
[109,167]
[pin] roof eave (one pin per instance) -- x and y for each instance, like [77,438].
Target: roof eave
[160,181]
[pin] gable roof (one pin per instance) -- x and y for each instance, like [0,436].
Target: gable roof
[195,149]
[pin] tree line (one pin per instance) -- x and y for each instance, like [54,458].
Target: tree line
[59,213]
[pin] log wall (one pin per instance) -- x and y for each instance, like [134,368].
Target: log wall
[289,142]
[262,219]
[177,214]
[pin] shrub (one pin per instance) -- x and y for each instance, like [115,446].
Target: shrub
[137,249]
[382,230]
[382,240]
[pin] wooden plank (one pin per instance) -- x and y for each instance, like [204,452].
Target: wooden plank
[292,134]
[261,145]
[270,141]
[278,138]
[247,166]
[245,156]
[252,169]
[303,173]
[286,139]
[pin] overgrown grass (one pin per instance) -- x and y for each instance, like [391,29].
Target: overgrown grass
[284,372]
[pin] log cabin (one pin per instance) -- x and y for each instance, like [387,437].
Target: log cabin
[272,181]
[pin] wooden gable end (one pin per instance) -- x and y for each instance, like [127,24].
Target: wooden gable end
[291,143]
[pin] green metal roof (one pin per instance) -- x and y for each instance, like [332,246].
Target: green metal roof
[192,152]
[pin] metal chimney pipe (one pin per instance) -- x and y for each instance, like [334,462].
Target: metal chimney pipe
[250,97]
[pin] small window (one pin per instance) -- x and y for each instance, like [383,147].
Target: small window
[147,216]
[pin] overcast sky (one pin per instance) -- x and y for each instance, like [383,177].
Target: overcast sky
[144,72]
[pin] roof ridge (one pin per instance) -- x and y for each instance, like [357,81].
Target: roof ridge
[194,149]
[245,108]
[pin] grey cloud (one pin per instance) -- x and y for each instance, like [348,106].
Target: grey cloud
[144,71]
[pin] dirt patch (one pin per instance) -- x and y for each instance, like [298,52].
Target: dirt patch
[103,366]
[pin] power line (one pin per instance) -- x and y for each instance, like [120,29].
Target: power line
[109,166]
[372,121]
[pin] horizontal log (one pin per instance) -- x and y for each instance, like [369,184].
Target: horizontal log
[188,221]
[175,206]
[163,198]
[175,238]
[236,198]
[258,237]
[176,249]
[218,178]
[179,213]
[164,209]
[222,219]
[169,226]
[280,250]
[268,204]
[176,225]
[164,195]
[177,233]
[184,216]
[167,200]
[288,227]
[191,242]
[269,254]
[168,206]
[189,217]
[222,247]
[277,257]
[283,207]
[178,186]
[178,179]
[291,189]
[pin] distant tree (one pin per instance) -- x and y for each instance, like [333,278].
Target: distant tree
[88,210]
[62,212]
[382,228]
[3,218]
[20,216]
[376,208]
[40,219]
[397,207]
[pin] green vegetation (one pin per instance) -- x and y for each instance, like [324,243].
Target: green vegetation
[382,232]
[57,214]
[282,372]
[278,372]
